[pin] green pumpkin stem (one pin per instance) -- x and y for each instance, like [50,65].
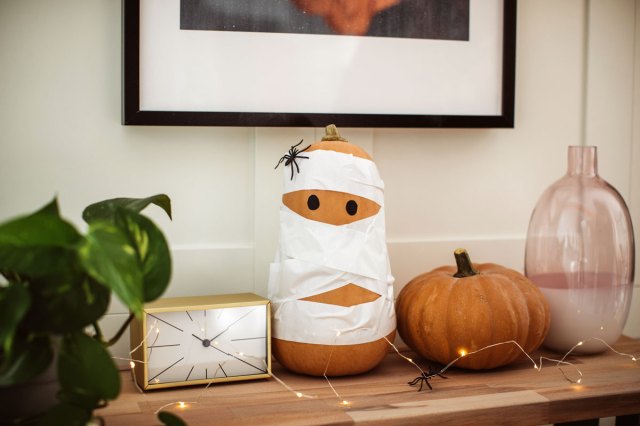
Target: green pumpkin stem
[463,261]
[331,134]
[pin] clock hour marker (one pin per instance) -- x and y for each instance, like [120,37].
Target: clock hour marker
[166,369]
[206,373]
[187,312]
[189,373]
[222,369]
[169,324]
[248,338]
[163,346]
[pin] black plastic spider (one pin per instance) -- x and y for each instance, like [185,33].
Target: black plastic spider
[291,157]
[424,378]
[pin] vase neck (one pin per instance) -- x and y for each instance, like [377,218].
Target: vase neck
[582,160]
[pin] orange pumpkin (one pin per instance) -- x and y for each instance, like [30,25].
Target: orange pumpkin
[449,310]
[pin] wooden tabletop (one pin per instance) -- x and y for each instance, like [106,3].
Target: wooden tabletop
[517,394]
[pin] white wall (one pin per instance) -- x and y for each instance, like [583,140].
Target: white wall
[60,133]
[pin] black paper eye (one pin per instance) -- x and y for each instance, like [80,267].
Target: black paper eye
[352,207]
[313,203]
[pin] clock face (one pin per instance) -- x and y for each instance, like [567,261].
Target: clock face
[201,345]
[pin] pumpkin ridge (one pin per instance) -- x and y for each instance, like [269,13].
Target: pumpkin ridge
[509,320]
[485,357]
[523,335]
[456,334]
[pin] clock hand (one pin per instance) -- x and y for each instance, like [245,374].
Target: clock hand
[207,343]
[231,325]
[239,359]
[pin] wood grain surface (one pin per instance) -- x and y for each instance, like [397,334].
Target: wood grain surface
[517,394]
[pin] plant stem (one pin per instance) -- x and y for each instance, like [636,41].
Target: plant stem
[463,261]
[98,336]
[120,332]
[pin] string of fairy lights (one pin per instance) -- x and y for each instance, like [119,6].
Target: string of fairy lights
[423,378]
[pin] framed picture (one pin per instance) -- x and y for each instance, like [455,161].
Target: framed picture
[309,63]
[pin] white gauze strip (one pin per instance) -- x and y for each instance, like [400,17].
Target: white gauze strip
[336,171]
[310,322]
[344,248]
[319,323]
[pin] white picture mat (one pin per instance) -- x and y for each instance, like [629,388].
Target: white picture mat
[188,70]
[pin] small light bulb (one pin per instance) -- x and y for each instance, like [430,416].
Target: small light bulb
[215,342]
[409,359]
[132,365]
[338,333]
[202,329]
[181,404]
[157,330]
[633,358]
[345,403]
[462,352]
[157,380]
[601,327]
[579,381]
[298,394]
[580,343]
[240,353]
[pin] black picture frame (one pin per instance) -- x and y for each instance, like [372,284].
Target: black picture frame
[132,114]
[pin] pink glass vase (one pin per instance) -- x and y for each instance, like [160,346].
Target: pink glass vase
[580,253]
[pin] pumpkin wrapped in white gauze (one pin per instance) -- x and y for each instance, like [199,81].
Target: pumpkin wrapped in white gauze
[330,285]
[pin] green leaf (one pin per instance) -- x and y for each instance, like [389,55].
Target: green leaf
[66,414]
[67,303]
[26,360]
[14,304]
[170,419]
[44,227]
[109,258]
[37,244]
[106,209]
[86,372]
[153,253]
[51,208]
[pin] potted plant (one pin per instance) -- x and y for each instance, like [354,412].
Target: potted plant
[55,285]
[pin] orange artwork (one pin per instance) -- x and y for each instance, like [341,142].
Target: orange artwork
[346,17]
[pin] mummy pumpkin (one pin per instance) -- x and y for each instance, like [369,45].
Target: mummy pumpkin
[330,285]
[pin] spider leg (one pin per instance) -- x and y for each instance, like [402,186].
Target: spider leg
[415,381]
[297,145]
[284,157]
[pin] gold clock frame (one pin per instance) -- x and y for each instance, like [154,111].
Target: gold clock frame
[194,303]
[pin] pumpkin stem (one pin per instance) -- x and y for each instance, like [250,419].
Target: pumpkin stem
[463,261]
[331,134]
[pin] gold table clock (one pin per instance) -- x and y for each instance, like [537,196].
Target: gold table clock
[197,340]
